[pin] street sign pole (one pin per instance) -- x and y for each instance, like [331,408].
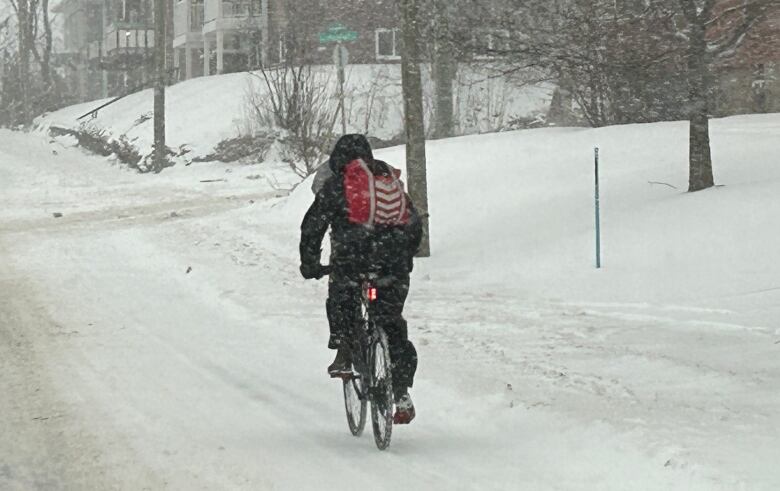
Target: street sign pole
[341,62]
[339,34]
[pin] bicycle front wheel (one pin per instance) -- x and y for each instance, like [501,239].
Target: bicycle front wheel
[381,391]
[355,404]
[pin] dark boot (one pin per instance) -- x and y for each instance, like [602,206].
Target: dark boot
[342,365]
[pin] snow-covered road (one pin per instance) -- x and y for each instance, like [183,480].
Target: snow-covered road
[157,336]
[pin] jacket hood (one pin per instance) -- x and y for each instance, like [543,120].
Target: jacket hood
[347,149]
[383,168]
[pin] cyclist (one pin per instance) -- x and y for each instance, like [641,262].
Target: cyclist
[374,228]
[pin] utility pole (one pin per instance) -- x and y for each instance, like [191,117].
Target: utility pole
[160,43]
[170,65]
[24,13]
[413,114]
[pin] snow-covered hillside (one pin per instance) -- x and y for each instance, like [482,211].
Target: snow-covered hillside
[175,346]
[204,111]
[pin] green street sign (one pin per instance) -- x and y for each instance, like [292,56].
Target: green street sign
[338,38]
[337,33]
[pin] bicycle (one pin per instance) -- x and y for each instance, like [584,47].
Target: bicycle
[371,378]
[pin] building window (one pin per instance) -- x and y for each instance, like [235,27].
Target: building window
[196,15]
[387,47]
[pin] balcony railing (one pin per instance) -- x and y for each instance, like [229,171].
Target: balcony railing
[126,38]
[225,9]
[237,9]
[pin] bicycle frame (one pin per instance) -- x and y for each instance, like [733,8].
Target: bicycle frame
[365,333]
[371,379]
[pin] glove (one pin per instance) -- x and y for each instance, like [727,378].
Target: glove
[311,271]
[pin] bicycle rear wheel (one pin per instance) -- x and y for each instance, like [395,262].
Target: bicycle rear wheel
[355,402]
[381,391]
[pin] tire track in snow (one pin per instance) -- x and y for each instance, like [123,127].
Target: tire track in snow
[569,359]
[46,443]
[119,217]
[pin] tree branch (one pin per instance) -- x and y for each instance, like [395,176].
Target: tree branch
[753,14]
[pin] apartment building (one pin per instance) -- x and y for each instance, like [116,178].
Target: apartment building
[222,36]
[108,45]
[219,36]
[307,30]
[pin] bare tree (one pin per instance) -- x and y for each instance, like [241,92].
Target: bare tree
[444,59]
[413,114]
[160,81]
[712,31]
[298,100]
[34,88]
[634,61]
[25,27]
[612,58]
[45,58]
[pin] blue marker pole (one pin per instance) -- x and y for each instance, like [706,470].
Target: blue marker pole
[598,214]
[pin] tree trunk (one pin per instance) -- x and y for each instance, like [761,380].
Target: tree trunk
[560,112]
[169,56]
[23,13]
[699,155]
[48,86]
[160,44]
[413,113]
[445,71]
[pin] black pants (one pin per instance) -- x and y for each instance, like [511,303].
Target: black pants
[343,307]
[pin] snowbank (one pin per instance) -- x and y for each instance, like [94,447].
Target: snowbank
[204,111]
[516,211]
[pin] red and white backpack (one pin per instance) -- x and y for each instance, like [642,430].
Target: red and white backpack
[374,200]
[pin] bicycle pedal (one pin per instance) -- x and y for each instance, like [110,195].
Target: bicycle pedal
[343,375]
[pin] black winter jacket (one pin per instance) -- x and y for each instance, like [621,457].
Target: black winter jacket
[357,249]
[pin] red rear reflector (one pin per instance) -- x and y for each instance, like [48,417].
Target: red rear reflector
[371,294]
